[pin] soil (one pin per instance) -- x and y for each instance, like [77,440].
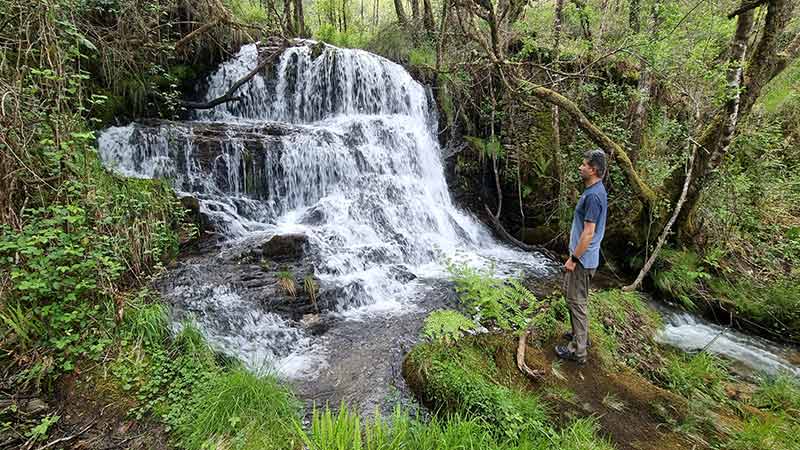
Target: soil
[632,412]
[95,417]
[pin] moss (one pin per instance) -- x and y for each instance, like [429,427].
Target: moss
[464,379]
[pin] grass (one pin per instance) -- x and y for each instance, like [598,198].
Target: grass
[768,433]
[447,325]
[240,410]
[621,327]
[779,394]
[463,379]
[311,287]
[346,430]
[145,322]
[700,376]
[679,274]
[286,281]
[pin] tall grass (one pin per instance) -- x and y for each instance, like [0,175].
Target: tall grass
[700,376]
[241,410]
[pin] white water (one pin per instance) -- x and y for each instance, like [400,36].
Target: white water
[690,334]
[359,172]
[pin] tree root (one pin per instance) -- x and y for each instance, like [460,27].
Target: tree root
[507,236]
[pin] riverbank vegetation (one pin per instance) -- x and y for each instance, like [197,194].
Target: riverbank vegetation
[88,354]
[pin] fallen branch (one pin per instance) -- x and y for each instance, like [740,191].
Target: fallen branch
[507,236]
[228,96]
[523,367]
[184,40]
[67,438]
[663,237]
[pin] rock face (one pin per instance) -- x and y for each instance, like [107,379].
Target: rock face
[282,247]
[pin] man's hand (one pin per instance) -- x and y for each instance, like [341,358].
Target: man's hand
[569,265]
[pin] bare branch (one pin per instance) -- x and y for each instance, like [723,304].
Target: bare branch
[228,96]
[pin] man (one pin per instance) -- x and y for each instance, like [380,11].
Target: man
[588,228]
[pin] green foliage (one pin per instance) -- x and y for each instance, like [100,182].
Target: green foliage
[701,376]
[146,322]
[680,274]
[505,304]
[780,394]
[311,287]
[249,11]
[345,430]
[351,38]
[423,56]
[622,327]
[461,377]
[447,325]
[286,281]
[40,431]
[765,434]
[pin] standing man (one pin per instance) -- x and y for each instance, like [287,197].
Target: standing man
[588,228]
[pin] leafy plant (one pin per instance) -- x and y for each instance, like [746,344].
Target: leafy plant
[501,303]
[447,326]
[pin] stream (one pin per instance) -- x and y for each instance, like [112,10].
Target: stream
[329,172]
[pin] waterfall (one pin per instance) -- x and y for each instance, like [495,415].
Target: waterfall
[338,145]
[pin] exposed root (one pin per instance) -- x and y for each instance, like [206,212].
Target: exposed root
[507,236]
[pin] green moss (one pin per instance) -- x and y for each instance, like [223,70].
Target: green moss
[463,379]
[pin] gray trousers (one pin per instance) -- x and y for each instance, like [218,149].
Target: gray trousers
[576,291]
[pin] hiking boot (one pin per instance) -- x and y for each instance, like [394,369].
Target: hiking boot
[568,337]
[563,352]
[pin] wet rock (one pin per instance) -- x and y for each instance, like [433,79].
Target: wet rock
[401,273]
[286,246]
[192,205]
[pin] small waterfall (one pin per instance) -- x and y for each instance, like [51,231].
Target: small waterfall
[338,145]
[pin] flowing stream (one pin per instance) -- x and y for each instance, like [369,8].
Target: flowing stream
[339,147]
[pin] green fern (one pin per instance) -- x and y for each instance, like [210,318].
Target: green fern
[447,325]
[501,303]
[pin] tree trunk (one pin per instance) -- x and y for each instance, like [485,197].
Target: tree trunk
[427,16]
[344,15]
[299,18]
[401,14]
[558,171]
[744,88]
[414,10]
[287,17]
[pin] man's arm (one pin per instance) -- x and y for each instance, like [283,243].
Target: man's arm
[583,243]
[585,239]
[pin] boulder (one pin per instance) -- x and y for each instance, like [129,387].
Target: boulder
[285,246]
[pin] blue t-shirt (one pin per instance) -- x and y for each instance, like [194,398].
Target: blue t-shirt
[592,207]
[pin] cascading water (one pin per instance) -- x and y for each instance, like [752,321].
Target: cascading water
[338,146]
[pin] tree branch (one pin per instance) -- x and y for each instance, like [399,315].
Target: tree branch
[663,237]
[746,6]
[615,151]
[228,96]
[507,236]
